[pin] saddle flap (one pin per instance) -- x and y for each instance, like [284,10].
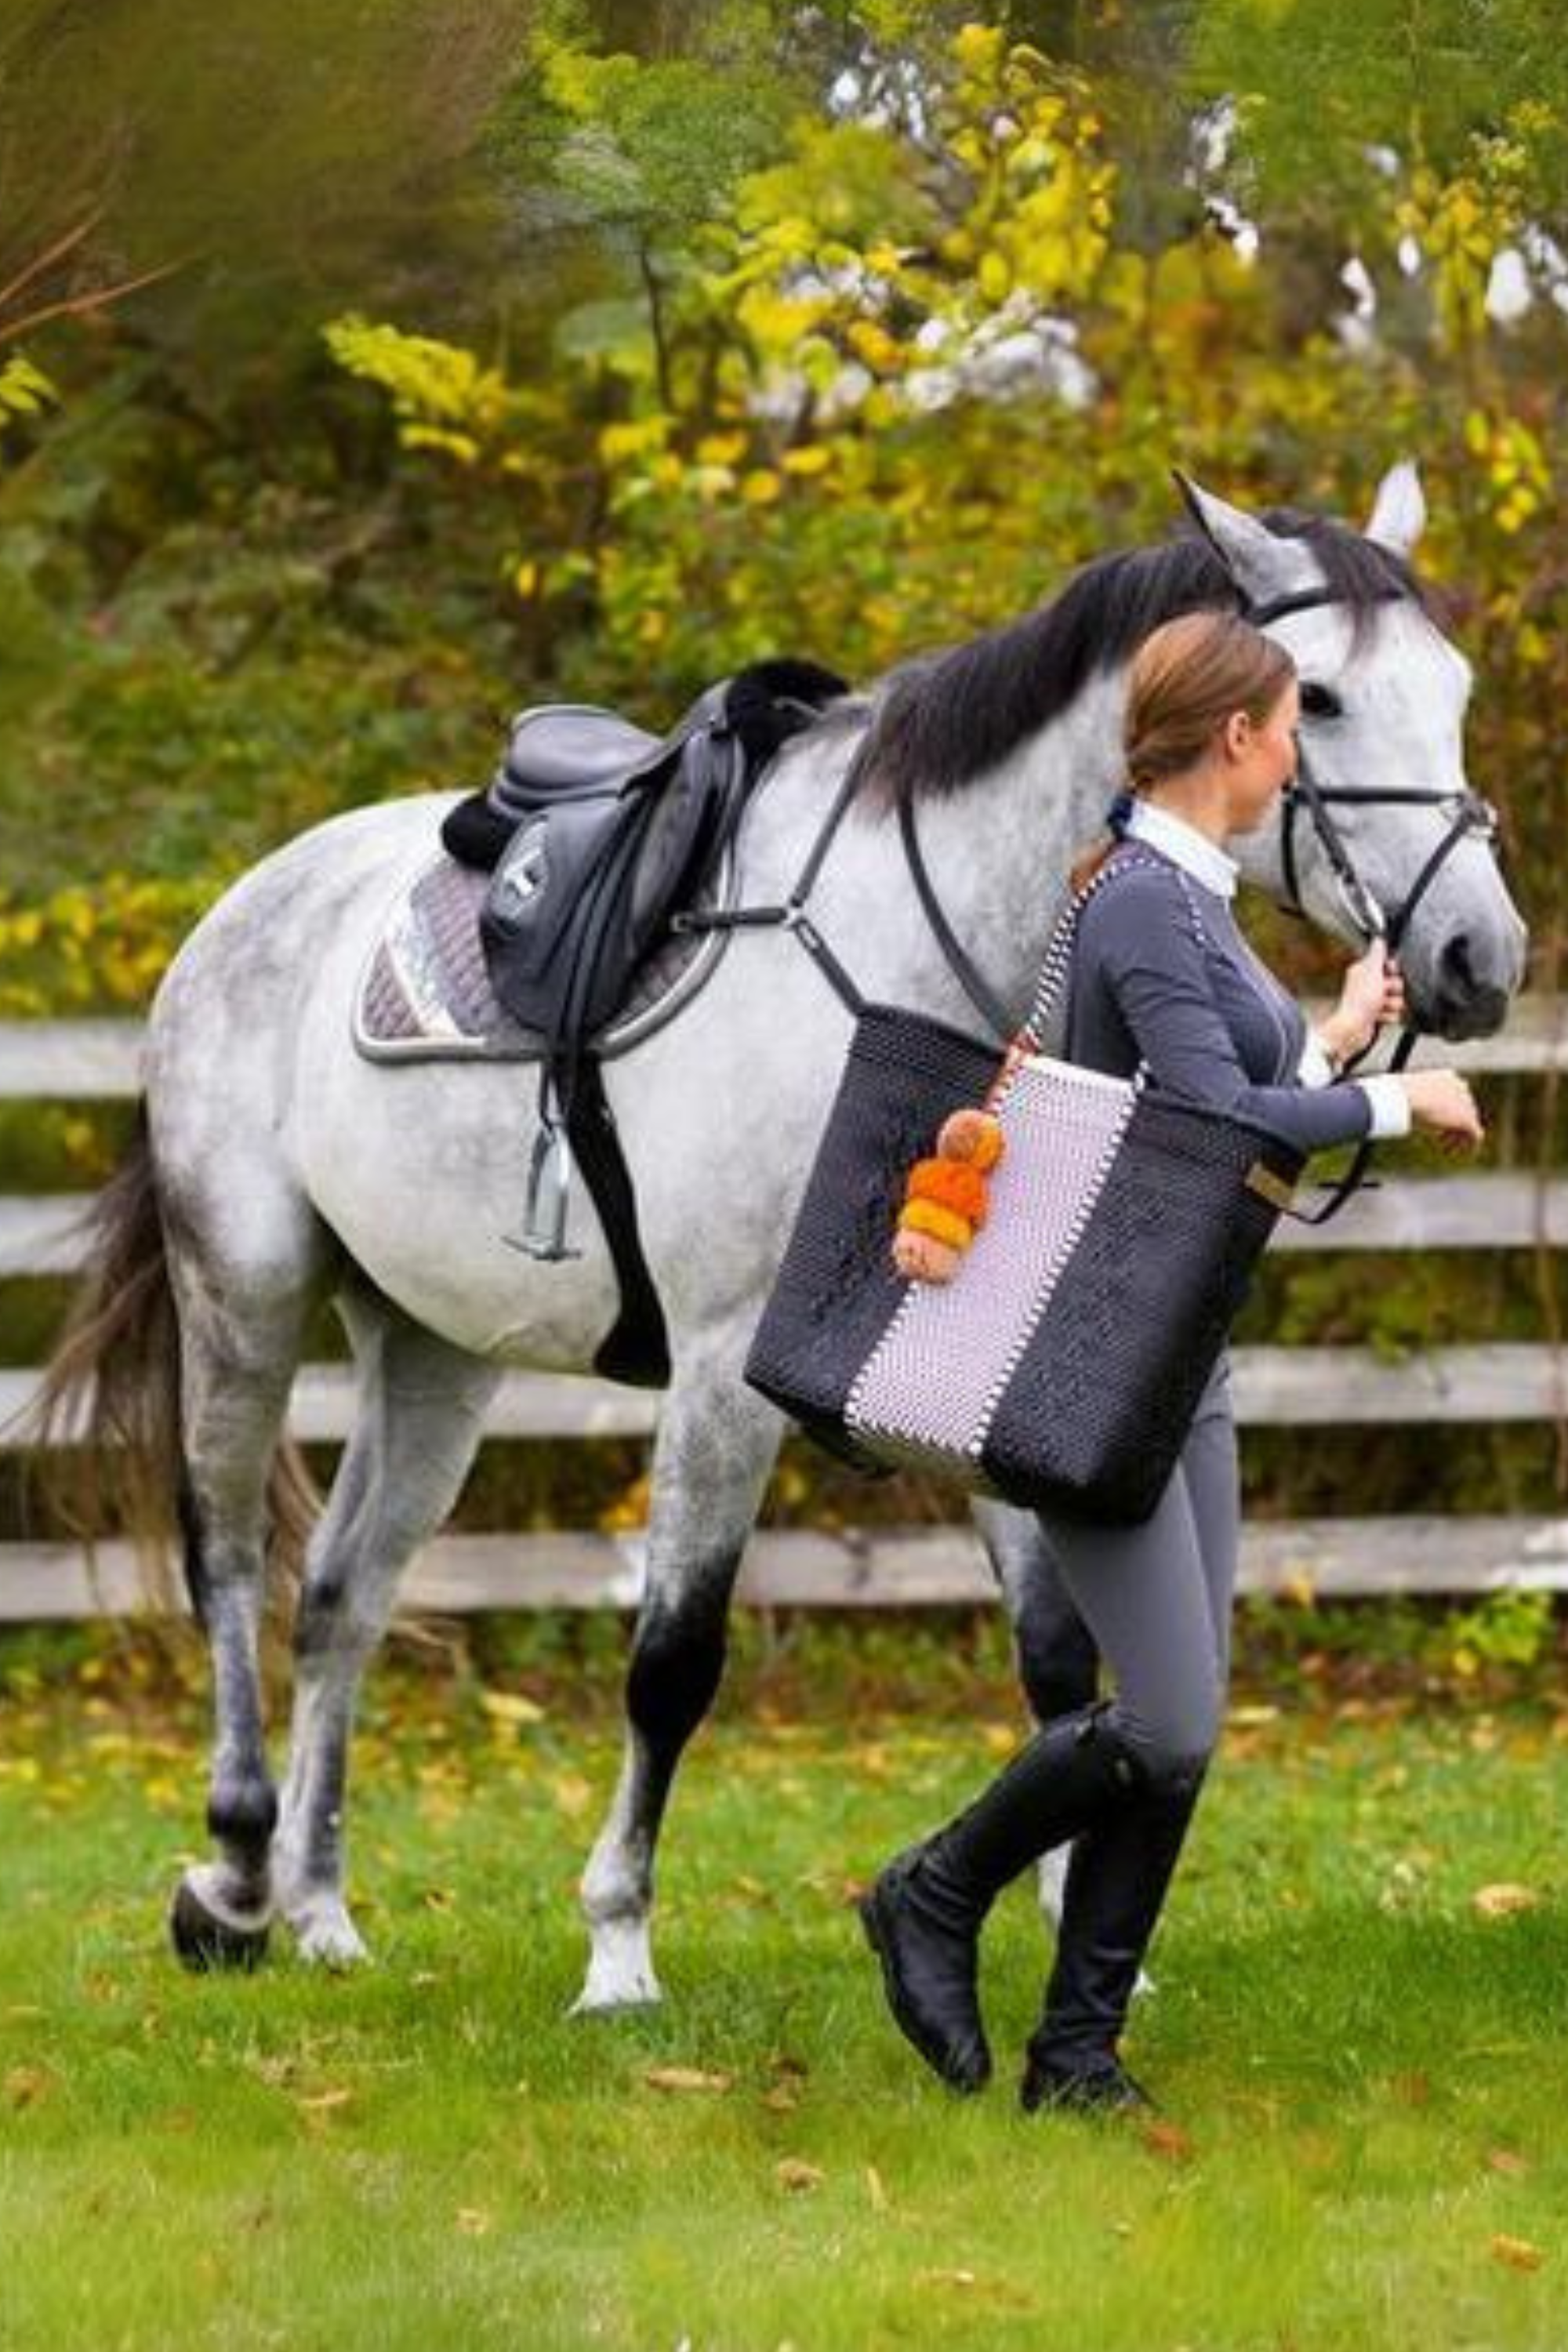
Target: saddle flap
[545,888]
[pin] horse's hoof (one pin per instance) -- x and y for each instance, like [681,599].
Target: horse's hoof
[329,1939]
[205,1938]
[620,1970]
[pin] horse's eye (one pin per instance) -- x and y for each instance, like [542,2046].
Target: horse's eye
[1321,702]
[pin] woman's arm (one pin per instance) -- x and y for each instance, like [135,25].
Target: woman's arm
[1138,934]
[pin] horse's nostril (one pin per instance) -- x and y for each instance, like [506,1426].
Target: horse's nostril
[1456,960]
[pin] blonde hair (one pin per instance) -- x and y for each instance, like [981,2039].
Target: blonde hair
[1187,676]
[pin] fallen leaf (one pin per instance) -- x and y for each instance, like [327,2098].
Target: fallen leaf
[321,2102]
[792,2172]
[1500,1902]
[685,2078]
[1505,2160]
[26,2086]
[508,1707]
[473,2220]
[783,2099]
[946,2278]
[1518,2253]
[1168,2141]
[875,2190]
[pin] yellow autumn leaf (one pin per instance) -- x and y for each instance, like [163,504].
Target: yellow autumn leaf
[978,47]
[687,2078]
[1503,1900]
[1519,2254]
[794,2174]
[995,278]
[511,1706]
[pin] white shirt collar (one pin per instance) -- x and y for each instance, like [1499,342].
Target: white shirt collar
[1204,858]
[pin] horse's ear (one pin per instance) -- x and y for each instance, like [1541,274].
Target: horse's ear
[1261,564]
[1399,510]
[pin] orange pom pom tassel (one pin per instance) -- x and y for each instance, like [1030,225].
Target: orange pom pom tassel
[955,1184]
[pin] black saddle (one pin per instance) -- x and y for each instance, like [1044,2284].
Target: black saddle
[597,835]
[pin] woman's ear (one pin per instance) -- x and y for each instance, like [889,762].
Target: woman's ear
[1239,734]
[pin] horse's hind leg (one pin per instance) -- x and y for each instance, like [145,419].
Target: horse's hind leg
[420,1418]
[717,1443]
[240,1335]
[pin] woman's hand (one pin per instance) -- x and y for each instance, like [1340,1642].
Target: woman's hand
[1371,994]
[1441,1101]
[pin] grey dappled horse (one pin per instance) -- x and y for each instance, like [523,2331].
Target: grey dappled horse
[278,1167]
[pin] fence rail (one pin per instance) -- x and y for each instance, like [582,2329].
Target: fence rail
[1275,1387]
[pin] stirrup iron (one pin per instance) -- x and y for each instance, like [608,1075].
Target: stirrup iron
[544,1233]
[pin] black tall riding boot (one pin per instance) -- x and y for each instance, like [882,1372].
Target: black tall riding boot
[922,1914]
[1116,1883]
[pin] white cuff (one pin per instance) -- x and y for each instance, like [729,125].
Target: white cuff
[1314,1069]
[1390,1103]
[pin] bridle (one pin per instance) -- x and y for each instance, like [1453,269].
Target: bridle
[1474,815]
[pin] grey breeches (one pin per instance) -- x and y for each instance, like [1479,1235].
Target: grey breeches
[1157,1597]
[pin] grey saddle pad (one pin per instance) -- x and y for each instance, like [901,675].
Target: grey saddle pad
[425,993]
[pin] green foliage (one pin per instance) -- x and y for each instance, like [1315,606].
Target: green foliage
[1329,92]
[1506,1629]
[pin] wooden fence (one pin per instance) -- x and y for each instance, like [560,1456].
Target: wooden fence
[1302,1387]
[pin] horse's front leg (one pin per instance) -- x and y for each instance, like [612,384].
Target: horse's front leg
[716,1446]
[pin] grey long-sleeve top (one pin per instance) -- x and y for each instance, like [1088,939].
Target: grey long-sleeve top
[1161,971]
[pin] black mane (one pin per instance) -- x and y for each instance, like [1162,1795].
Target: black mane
[945,718]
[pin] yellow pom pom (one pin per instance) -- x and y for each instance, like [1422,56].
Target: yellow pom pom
[942,1225]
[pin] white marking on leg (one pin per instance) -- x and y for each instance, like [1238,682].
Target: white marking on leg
[205,1881]
[620,1969]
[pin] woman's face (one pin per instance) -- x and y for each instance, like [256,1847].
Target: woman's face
[1261,759]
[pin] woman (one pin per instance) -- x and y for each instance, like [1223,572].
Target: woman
[1160,970]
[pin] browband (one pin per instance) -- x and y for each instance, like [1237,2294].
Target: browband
[1302,600]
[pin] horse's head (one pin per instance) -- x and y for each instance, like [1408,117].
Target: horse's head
[1383,791]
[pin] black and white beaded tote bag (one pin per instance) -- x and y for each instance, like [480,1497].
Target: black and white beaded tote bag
[1062,1365]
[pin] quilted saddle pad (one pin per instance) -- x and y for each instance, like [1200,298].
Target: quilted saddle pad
[425,995]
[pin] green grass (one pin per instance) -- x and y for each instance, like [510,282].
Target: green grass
[1363,2076]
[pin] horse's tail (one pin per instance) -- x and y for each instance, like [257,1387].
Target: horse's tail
[105,1419]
